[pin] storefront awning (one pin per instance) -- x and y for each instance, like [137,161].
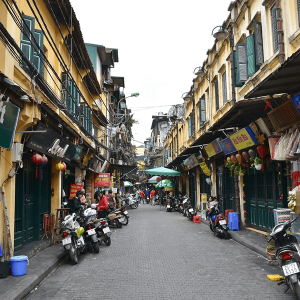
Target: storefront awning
[285,79]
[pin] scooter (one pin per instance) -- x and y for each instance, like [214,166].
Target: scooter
[114,217]
[169,204]
[147,200]
[287,253]
[130,201]
[72,238]
[217,221]
[103,231]
[157,201]
[191,212]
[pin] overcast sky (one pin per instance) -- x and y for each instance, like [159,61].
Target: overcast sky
[160,43]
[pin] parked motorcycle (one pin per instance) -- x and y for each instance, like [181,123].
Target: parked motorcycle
[72,238]
[130,201]
[169,204]
[114,217]
[191,212]
[287,253]
[103,231]
[217,221]
[147,200]
[157,200]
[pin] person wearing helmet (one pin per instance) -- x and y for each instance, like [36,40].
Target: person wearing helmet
[102,206]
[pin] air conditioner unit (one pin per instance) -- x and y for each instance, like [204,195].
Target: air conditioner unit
[112,160]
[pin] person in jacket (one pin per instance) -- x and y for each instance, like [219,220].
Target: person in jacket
[142,196]
[111,200]
[102,206]
[75,204]
[152,195]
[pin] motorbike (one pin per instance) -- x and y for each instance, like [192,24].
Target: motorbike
[287,254]
[217,221]
[72,237]
[130,201]
[147,199]
[103,231]
[114,218]
[169,204]
[191,213]
[185,205]
[157,200]
[90,235]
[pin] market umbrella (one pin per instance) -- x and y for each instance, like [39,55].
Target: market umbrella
[163,172]
[166,183]
[127,184]
[153,179]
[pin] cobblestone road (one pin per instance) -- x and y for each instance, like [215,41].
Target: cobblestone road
[162,255]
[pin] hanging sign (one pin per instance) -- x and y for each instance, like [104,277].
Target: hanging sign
[74,188]
[9,115]
[213,148]
[203,165]
[102,180]
[227,146]
[191,162]
[243,139]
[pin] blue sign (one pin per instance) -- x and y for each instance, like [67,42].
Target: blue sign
[227,146]
[296,100]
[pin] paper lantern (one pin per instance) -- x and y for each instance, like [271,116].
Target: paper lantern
[36,158]
[44,160]
[65,166]
[239,158]
[59,166]
[246,156]
[252,153]
[233,159]
[262,150]
[229,159]
[158,179]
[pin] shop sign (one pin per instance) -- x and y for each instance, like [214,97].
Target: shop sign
[53,144]
[296,100]
[102,180]
[88,190]
[213,148]
[203,165]
[74,188]
[93,164]
[243,139]
[227,146]
[191,162]
[9,115]
[105,167]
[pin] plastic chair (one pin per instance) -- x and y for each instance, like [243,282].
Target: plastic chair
[196,219]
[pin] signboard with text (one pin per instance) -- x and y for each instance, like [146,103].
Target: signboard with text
[227,146]
[74,188]
[243,139]
[102,180]
[213,148]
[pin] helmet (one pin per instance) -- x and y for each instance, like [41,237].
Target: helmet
[80,231]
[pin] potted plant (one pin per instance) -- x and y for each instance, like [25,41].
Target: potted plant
[258,163]
[271,251]
[243,170]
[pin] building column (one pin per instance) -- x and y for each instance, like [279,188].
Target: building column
[198,172]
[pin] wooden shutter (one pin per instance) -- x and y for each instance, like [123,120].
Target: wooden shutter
[250,55]
[258,45]
[74,100]
[224,86]
[64,87]
[236,70]
[70,95]
[217,95]
[38,52]
[274,28]
[241,62]
[26,38]
[190,127]
[82,114]
[202,112]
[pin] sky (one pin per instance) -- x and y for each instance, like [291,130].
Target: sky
[160,43]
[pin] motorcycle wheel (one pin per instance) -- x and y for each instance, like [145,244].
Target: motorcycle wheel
[119,224]
[210,226]
[73,255]
[96,247]
[225,234]
[107,241]
[133,206]
[126,220]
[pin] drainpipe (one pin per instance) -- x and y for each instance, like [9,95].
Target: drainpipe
[280,31]
[233,95]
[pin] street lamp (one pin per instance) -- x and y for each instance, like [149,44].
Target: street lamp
[132,95]
[201,72]
[223,33]
[186,97]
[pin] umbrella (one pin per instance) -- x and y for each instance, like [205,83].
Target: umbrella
[166,183]
[163,172]
[153,179]
[137,183]
[127,184]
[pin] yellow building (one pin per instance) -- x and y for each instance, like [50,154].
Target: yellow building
[59,108]
[247,79]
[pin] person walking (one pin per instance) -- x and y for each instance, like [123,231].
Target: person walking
[142,196]
[111,200]
[152,195]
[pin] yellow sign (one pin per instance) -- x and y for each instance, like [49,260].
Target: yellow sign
[203,197]
[242,139]
[210,150]
[205,168]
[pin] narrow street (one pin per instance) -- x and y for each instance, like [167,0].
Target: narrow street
[162,255]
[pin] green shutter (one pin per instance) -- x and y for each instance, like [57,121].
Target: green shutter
[37,61]
[64,87]
[202,113]
[236,70]
[258,45]
[70,94]
[217,95]
[190,127]
[250,55]
[224,86]
[25,45]
[82,114]
[274,28]
[241,62]
[74,100]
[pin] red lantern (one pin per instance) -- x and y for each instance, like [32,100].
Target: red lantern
[239,158]
[65,166]
[44,162]
[262,150]
[158,179]
[246,156]
[233,159]
[36,159]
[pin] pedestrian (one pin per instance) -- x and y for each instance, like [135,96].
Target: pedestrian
[162,196]
[111,200]
[102,206]
[82,199]
[210,199]
[147,195]
[152,195]
[142,196]
[75,203]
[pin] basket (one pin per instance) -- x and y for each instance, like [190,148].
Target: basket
[4,268]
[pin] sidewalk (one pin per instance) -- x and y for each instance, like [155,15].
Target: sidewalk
[249,238]
[40,266]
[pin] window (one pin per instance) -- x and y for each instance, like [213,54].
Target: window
[217,95]
[202,111]
[86,117]
[170,151]
[224,87]
[70,96]
[274,28]
[95,131]
[32,44]
[191,126]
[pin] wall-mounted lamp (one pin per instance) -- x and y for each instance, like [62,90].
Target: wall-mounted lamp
[186,97]
[201,72]
[25,98]
[222,34]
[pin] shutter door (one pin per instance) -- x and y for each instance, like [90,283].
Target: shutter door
[217,95]
[258,45]
[236,70]
[202,111]
[274,28]
[224,86]
[241,62]
[26,46]
[250,55]
[37,53]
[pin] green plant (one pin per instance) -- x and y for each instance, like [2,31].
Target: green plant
[258,161]
[270,247]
